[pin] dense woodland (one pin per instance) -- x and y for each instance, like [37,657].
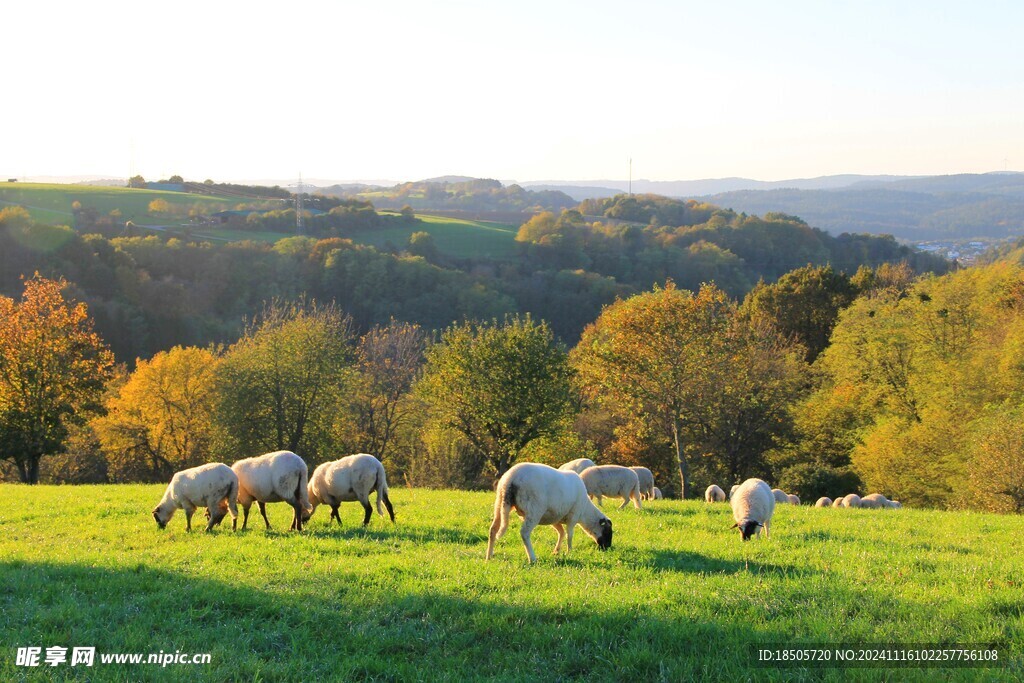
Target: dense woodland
[707,345]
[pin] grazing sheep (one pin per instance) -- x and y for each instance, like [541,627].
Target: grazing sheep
[544,495]
[351,478]
[733,490]
[577,465]
[273,478]
[213,486]
[780,496]
[657,493]
[752,507]
[878,501]
[646,478]
[793,499]
[838,502]
[851,500]
[714,494]
[613,481]
[823,502]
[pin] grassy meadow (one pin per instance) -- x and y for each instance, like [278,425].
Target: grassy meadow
[678,597]
[456,237]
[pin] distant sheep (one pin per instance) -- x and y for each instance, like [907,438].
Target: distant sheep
[275,477]
[851,500]
[543,495]
[646,478]
[752,507]
[823,502]
[877,500]
[714,494]
[577,465]
[613,481]
[793,499]
[213,486]
[657,493]
[352,478]
[780,496]
[733,490]
[838,502]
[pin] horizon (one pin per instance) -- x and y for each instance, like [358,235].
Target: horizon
[566,91]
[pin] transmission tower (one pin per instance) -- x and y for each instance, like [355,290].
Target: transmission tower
[299,227]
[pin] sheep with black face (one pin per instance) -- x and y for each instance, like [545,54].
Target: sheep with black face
[752,507]
[213,486]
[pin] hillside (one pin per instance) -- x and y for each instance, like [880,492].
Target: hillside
[678,597]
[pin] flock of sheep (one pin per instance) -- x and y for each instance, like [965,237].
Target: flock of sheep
[538,493]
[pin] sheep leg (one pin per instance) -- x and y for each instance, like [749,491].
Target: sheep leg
[297,517]
[263,511]
[625,501]
[335,514]
[245,518]
[561,534]
[635,495]
[568,537]
[215,518]
[368,510]
[524,531]
[387,504]
[189,511]
[766,525]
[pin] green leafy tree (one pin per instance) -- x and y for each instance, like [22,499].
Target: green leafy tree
[53,368]
[137,182]
[499,385]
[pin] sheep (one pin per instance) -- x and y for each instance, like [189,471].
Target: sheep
[577,465]
[646,478]
[780,496]
[793,499]
[823,502]
[877,500]
[752,507]
[543,495]
[714,494]
[275,477]
[733,490]
[838,502]
[213,486]
[351,478]
[657,493]
[614,481]
[851,500]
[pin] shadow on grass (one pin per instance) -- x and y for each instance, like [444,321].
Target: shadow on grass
[696,563]
[383,632]
[398,531]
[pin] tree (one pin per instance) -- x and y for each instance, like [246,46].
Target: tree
[803,304]
[53,367]
[407,213]
[137,181]
[500,386]
[422,244]
[278,387]
[161,419]
[159,206]
[688,365]
[388,359]
[176,179]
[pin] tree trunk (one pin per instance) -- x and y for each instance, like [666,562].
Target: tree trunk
[28,469]
[684,467]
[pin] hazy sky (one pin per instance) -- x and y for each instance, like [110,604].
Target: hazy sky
[515,90]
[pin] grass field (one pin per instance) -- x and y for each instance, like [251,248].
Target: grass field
[678,597]
[453,236]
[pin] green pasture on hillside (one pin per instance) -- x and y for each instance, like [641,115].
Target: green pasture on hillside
[678,597]
[456,237]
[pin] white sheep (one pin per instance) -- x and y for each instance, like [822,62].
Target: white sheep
[752,507]
[577,465]
[877,500]
[838,502]
[613,481]
[657,493]
[851,500]
[275,477]
[544,495]
[352,478]
[733,490]
[213,486]
[714,494]
[793,499]
[646,478]
[823,502]
[780,496]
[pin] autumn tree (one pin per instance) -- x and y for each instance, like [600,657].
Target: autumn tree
[52,369]
[278,387]
[161,419]
[159,206]
[388,359]
[499,385]
[686,364]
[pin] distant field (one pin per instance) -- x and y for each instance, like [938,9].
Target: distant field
[52,203]
[454,236]
[678,597]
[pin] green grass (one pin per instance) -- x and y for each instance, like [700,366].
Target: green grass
[678,597]
[453,236]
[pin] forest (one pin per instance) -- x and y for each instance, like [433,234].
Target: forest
[707,345]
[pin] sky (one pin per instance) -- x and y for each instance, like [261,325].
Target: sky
[523,90]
